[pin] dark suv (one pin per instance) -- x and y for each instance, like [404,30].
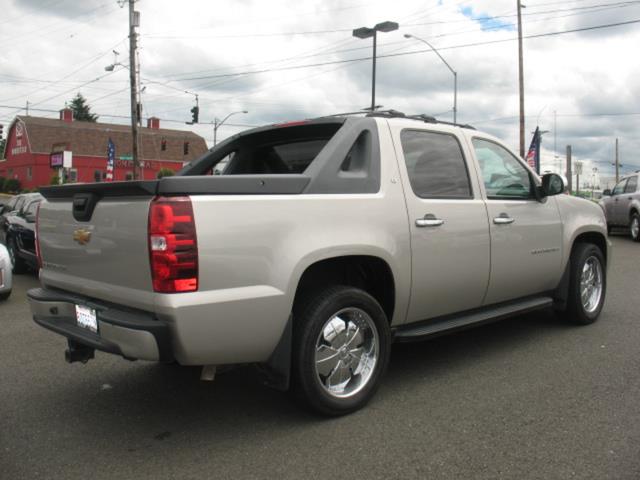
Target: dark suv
[622,206]
[20,234]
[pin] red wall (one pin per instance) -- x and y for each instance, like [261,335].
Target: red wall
[86,166]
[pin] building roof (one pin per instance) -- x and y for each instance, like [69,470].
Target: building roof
[47,135]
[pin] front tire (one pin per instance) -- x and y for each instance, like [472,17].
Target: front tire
[587,284]
[342,342]
[634,226]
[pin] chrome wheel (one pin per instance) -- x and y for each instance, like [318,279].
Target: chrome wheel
[635,227]
[591,284]
[347,350]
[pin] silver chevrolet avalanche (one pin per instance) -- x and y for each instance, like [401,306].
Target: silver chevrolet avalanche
[308,247]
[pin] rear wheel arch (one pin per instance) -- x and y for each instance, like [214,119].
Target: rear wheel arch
[369,273]
[366,272]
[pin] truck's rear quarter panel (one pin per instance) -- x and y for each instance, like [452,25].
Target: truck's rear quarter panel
[252,253]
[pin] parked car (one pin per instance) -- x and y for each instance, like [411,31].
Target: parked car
[15,205]
[319,244]
[6,276]
[622,206]
[20,236]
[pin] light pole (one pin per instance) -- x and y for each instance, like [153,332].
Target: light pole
[217,124]
[521,77]
[366,32]
[455,74]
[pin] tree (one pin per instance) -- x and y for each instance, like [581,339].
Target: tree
[81,110]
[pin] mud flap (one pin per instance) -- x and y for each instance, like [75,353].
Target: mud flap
[277,370]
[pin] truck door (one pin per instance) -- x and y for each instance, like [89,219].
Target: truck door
[526,234]
[448,224]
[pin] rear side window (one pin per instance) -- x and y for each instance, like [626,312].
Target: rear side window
[435,165]
[284,158]
[287,149]
[631,186]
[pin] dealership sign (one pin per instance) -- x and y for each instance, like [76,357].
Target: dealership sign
[61,160]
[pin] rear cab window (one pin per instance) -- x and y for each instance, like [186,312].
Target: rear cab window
[436,166]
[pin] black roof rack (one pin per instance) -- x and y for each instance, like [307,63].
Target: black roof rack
[422,117]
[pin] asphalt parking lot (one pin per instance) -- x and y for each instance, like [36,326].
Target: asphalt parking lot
[527,398]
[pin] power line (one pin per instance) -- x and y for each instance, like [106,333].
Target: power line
[343,30]
[452,47]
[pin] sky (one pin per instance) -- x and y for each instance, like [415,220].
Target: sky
[285,60]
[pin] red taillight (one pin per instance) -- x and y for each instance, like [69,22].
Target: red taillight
[37,239]
[173,246]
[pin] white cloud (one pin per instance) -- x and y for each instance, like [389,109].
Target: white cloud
[574,74]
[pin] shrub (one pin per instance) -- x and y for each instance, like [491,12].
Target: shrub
[12,185]
[165,172]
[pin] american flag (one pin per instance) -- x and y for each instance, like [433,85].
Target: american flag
[111,158]
[533,155]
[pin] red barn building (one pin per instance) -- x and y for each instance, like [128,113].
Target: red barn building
[35,146]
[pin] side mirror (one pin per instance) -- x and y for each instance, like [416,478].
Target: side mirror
[607,192]
[552,184]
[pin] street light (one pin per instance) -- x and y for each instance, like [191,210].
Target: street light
[455,74]
[366,32]
[217,124]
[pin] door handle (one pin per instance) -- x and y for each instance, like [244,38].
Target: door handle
[429,220]
[503,219]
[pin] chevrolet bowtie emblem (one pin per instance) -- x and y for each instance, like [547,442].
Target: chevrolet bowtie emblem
[82,236]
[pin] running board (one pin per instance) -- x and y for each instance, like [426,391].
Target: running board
[413,332]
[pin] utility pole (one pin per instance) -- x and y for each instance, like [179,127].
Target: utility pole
[569,172]
[617,162]
[134,21]
[521,79]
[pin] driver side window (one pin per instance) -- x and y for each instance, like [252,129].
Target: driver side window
[503,175]
[619,188]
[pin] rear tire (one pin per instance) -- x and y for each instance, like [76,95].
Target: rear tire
[342,342]
[634,226]
[18,265]
[587,284]
[5,295]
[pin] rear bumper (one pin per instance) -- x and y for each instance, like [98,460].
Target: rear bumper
[134,334]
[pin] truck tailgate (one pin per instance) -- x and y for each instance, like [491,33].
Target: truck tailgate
[105,256]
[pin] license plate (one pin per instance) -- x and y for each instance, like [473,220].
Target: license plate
[86,318]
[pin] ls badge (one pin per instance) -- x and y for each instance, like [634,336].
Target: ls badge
[82,236]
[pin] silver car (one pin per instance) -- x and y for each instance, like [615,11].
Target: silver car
[6,277]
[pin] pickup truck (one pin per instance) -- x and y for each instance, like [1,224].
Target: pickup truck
[319,244]
[622,205]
